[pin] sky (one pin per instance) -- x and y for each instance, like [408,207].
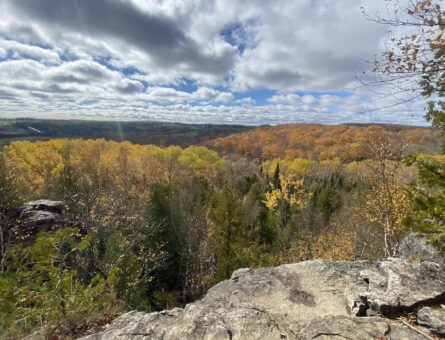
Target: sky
[194,61]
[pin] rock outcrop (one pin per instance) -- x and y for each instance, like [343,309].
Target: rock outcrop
[308,300]
[416,246]
[26,221]
[41,212]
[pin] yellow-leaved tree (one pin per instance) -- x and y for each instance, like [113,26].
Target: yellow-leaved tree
[386,202]
[285,201]
[290,194]
[388,205]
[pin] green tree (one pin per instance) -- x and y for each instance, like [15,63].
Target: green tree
[428,198]
[276,177]
[124,268]
[226,213]
[68,185]
[8,198]
[166,212]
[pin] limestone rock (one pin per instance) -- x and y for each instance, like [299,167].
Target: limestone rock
[46,205]
[416,246]
[395,285]
[399,331]
[313,299]
[40,212]
[27,220]
[434,319]
[338,327]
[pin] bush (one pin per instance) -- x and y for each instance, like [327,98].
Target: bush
[39,285]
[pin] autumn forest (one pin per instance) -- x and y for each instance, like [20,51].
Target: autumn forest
[153,227]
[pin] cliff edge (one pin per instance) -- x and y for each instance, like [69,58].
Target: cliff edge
[308,300]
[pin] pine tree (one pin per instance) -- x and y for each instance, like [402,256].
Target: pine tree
[428,198]
[276,177]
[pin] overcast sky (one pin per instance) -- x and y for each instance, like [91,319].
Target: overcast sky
[221,61]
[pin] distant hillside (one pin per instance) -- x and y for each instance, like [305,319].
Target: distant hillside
[321,142]
[311,141]
[136,132]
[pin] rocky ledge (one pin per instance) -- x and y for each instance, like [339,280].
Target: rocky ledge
[308,300]
[23,223]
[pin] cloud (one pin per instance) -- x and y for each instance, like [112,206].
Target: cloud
[13,70]
[19,50]
[204,95]
[224,97]
[246,101]
[208,94]
[6,95]
[221,60]
[129,87]
[80,71]
[308,46]
[159,36]
[189,113]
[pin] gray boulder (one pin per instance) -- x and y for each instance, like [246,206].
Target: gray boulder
[433,318]
[27,220]
[393,286]
[46,205]
[416,246]
[308,300]
[40,212]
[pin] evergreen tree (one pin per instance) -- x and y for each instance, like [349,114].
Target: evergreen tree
[226,214]
[165,211]
[276,177]
[428,198]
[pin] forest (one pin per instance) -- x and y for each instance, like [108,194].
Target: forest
[345,142]
[141,132]
[154,227]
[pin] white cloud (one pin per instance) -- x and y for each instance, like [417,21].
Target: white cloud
[224,97]
[152,59]
[128,86]
[20,50]
[208,94]
[3,53]
[246,101]
[13,70]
